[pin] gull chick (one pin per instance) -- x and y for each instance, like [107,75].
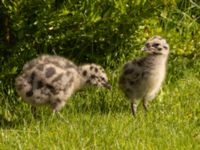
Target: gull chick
[142,78]
[51,80]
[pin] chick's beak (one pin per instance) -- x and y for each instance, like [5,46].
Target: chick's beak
[143,48]
[107,85]
[147,47]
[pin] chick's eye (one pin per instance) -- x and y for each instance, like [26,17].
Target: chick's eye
[155,44]
[165,47]
[102,78]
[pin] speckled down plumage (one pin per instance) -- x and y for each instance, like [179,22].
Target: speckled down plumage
[142,78]
[51,80]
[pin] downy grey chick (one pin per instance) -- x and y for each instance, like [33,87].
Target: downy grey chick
[142,78]
[51,80]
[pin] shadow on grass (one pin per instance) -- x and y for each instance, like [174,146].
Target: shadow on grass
[19,120]
[7,124]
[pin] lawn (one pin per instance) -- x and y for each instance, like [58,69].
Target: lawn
[101,119]
[108,33]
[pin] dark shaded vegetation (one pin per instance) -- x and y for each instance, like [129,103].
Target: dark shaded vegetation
[107,32]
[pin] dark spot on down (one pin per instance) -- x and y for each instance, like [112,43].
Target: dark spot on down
[128,71]
[58,100]
[49,72]
[88,81]
[40,84]
[29,93]
[84,73]
[131,82]
[128,90]
[51,88]
[96,70]
[93,76]
[139,62]
[32,78]
[91,67]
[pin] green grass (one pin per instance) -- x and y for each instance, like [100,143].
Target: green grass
[101,119]
[97,118]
